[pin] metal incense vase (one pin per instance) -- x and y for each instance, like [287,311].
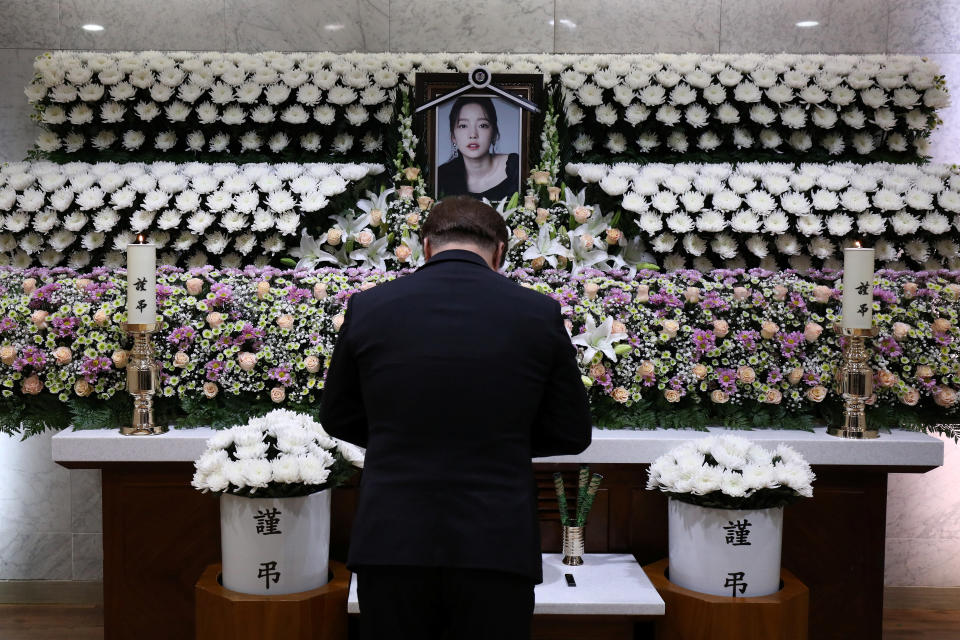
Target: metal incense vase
[142,381]
[854,381]
[573,546]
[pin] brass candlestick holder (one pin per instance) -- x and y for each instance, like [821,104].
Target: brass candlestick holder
[142,381]
[854,381]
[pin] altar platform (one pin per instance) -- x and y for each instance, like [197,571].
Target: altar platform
[160,533]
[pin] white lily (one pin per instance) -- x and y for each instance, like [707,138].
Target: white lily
[375,201]
[581,257]
[598,339]
[310,254]
[632,255]
[546,246]
[412,242]
[373,256]
[574,200]
[350,225]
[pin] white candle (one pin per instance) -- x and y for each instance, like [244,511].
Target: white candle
[857,288]
[141,282]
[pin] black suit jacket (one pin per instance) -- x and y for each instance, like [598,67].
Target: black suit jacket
[453,378]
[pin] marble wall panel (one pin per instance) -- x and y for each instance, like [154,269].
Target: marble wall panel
[927,562]
[845,26]
[36,490]
[30,25]
[87,556]
[638,26]
[85,506]
[467,25]
[945,140]
[17,131]
[26,555]
[926,505]
[924,26]
[307,25]
[143,24]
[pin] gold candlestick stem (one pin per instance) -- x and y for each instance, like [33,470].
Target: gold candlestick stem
[142,382]
[855,383]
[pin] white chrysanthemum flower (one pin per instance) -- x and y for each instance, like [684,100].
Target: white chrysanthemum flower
[725,246]
[606,115]
[44,221]
[262,220]
[216,242]
[726,200]
[824,200]
[949,200]
[663,243]
[776,223]
[199,221]
[711,222]
[809,225]
[918,251]
[787,244]
[616,143]
[332,185]
[635,114]
[821,247]
[169,219]
[680,223]
[634,202]
[61,239]
[871,223]
[887,200]
[904,224]
[935,223]
[921,200]
[614,185]
[839,224]
[90,198]
[757,245]
[664,201]
[745,222]
[694,244]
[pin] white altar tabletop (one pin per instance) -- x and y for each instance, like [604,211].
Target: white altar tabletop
[896,448]
[606,584]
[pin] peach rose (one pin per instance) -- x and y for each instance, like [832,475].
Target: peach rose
[32,385]
[529,202]
[719,396]
[210,389]
[367,285]
[100,318]
[214,319]
[672,395]
[334,236]
[924,371]
[39,318]
[646,368]
[910,289]
[773,396]
[620,394]
[82,388]
[542,216]
[614,236]
[62,355]
[194,286]
[941,325]
[954,291]
[911,397]
[403,253]
[263,288]
[337,321]
[692,294]
[643,293]
[320,290]
[587,241]
[721,328]
[812,331]
[376,217]
[406,192]
[520,234]
[247,360]
[311,364]
[945,397]
[120,358]
[181,359]
[590,289]
[365,238]
[746,374]
[822,293]
[670,327]
[411,173]
[780,292]
[597,370]
[553,193]
[817,393]
[900,330]
[278,394]
[29,285]
[886,379]
[795,375]
[618,327]
[537,263]
[7,354]
[413,219]
[82,283]
[285,321]
[581,214]
[768,329]
[741,293]
[700,371]
[424,202]
[540,177]
[562,262]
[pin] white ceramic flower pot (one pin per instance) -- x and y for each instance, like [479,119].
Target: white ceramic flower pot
[724,552]
[273,546]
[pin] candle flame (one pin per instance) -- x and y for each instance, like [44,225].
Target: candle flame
[140,239]
[856,243]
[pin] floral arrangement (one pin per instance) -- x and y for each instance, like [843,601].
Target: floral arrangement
[313,105]
[728,472]
[783,214]
[280,455]
[739,348]
[82,214]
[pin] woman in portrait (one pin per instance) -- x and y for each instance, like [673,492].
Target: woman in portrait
[476,169]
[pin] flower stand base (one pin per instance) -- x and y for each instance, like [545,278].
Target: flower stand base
[319,614]
[698,616]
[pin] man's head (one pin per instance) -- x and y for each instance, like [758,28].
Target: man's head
[460,222]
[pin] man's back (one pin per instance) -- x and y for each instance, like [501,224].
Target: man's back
[459,377]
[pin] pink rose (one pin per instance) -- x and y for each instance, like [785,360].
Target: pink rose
[720,328]
[82,388]
[542,216]
[670,327]
[795,375]
[403,253]
[376,217]
[82,283]
[886,379]
[817,393]
[700,371]
[614,236]
[741,293]
[62,355]
[210,389]
[530,202]
[411,173]
[812,331]
[746,374]
[100,318]
[941,325]
[366,238]
[768,329]
[553,193]
[285,321]
[581,214]
[597,370]
[263,288]
[214,319]
[247,360]
[900,330]
[590,289]
[587,241]
[719,397]
[692,294]
[39,318]
[537,263]
[618,327]
[620,395]
[910,289]
[7,354]
[278,394]
[924,371]
[120,358]
[672,395]
[773,396]
[780,292]
[643,293]
[320,291]
[822,293]
[424,202]
[194,286]
[406,192]
[337,321]
[181,359]
[945,397]
[334,236]
[520,234]
[413,219]
[911,397]
[29,285]
[32,385]
[540,177]
[646,368]
[312,364]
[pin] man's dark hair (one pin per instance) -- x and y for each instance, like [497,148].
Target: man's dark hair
[488,109]
[464,219]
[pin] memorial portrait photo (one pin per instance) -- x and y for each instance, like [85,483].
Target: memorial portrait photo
[478,142]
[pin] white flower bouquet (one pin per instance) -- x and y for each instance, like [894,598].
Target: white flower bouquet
[730,472]
[280,455]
